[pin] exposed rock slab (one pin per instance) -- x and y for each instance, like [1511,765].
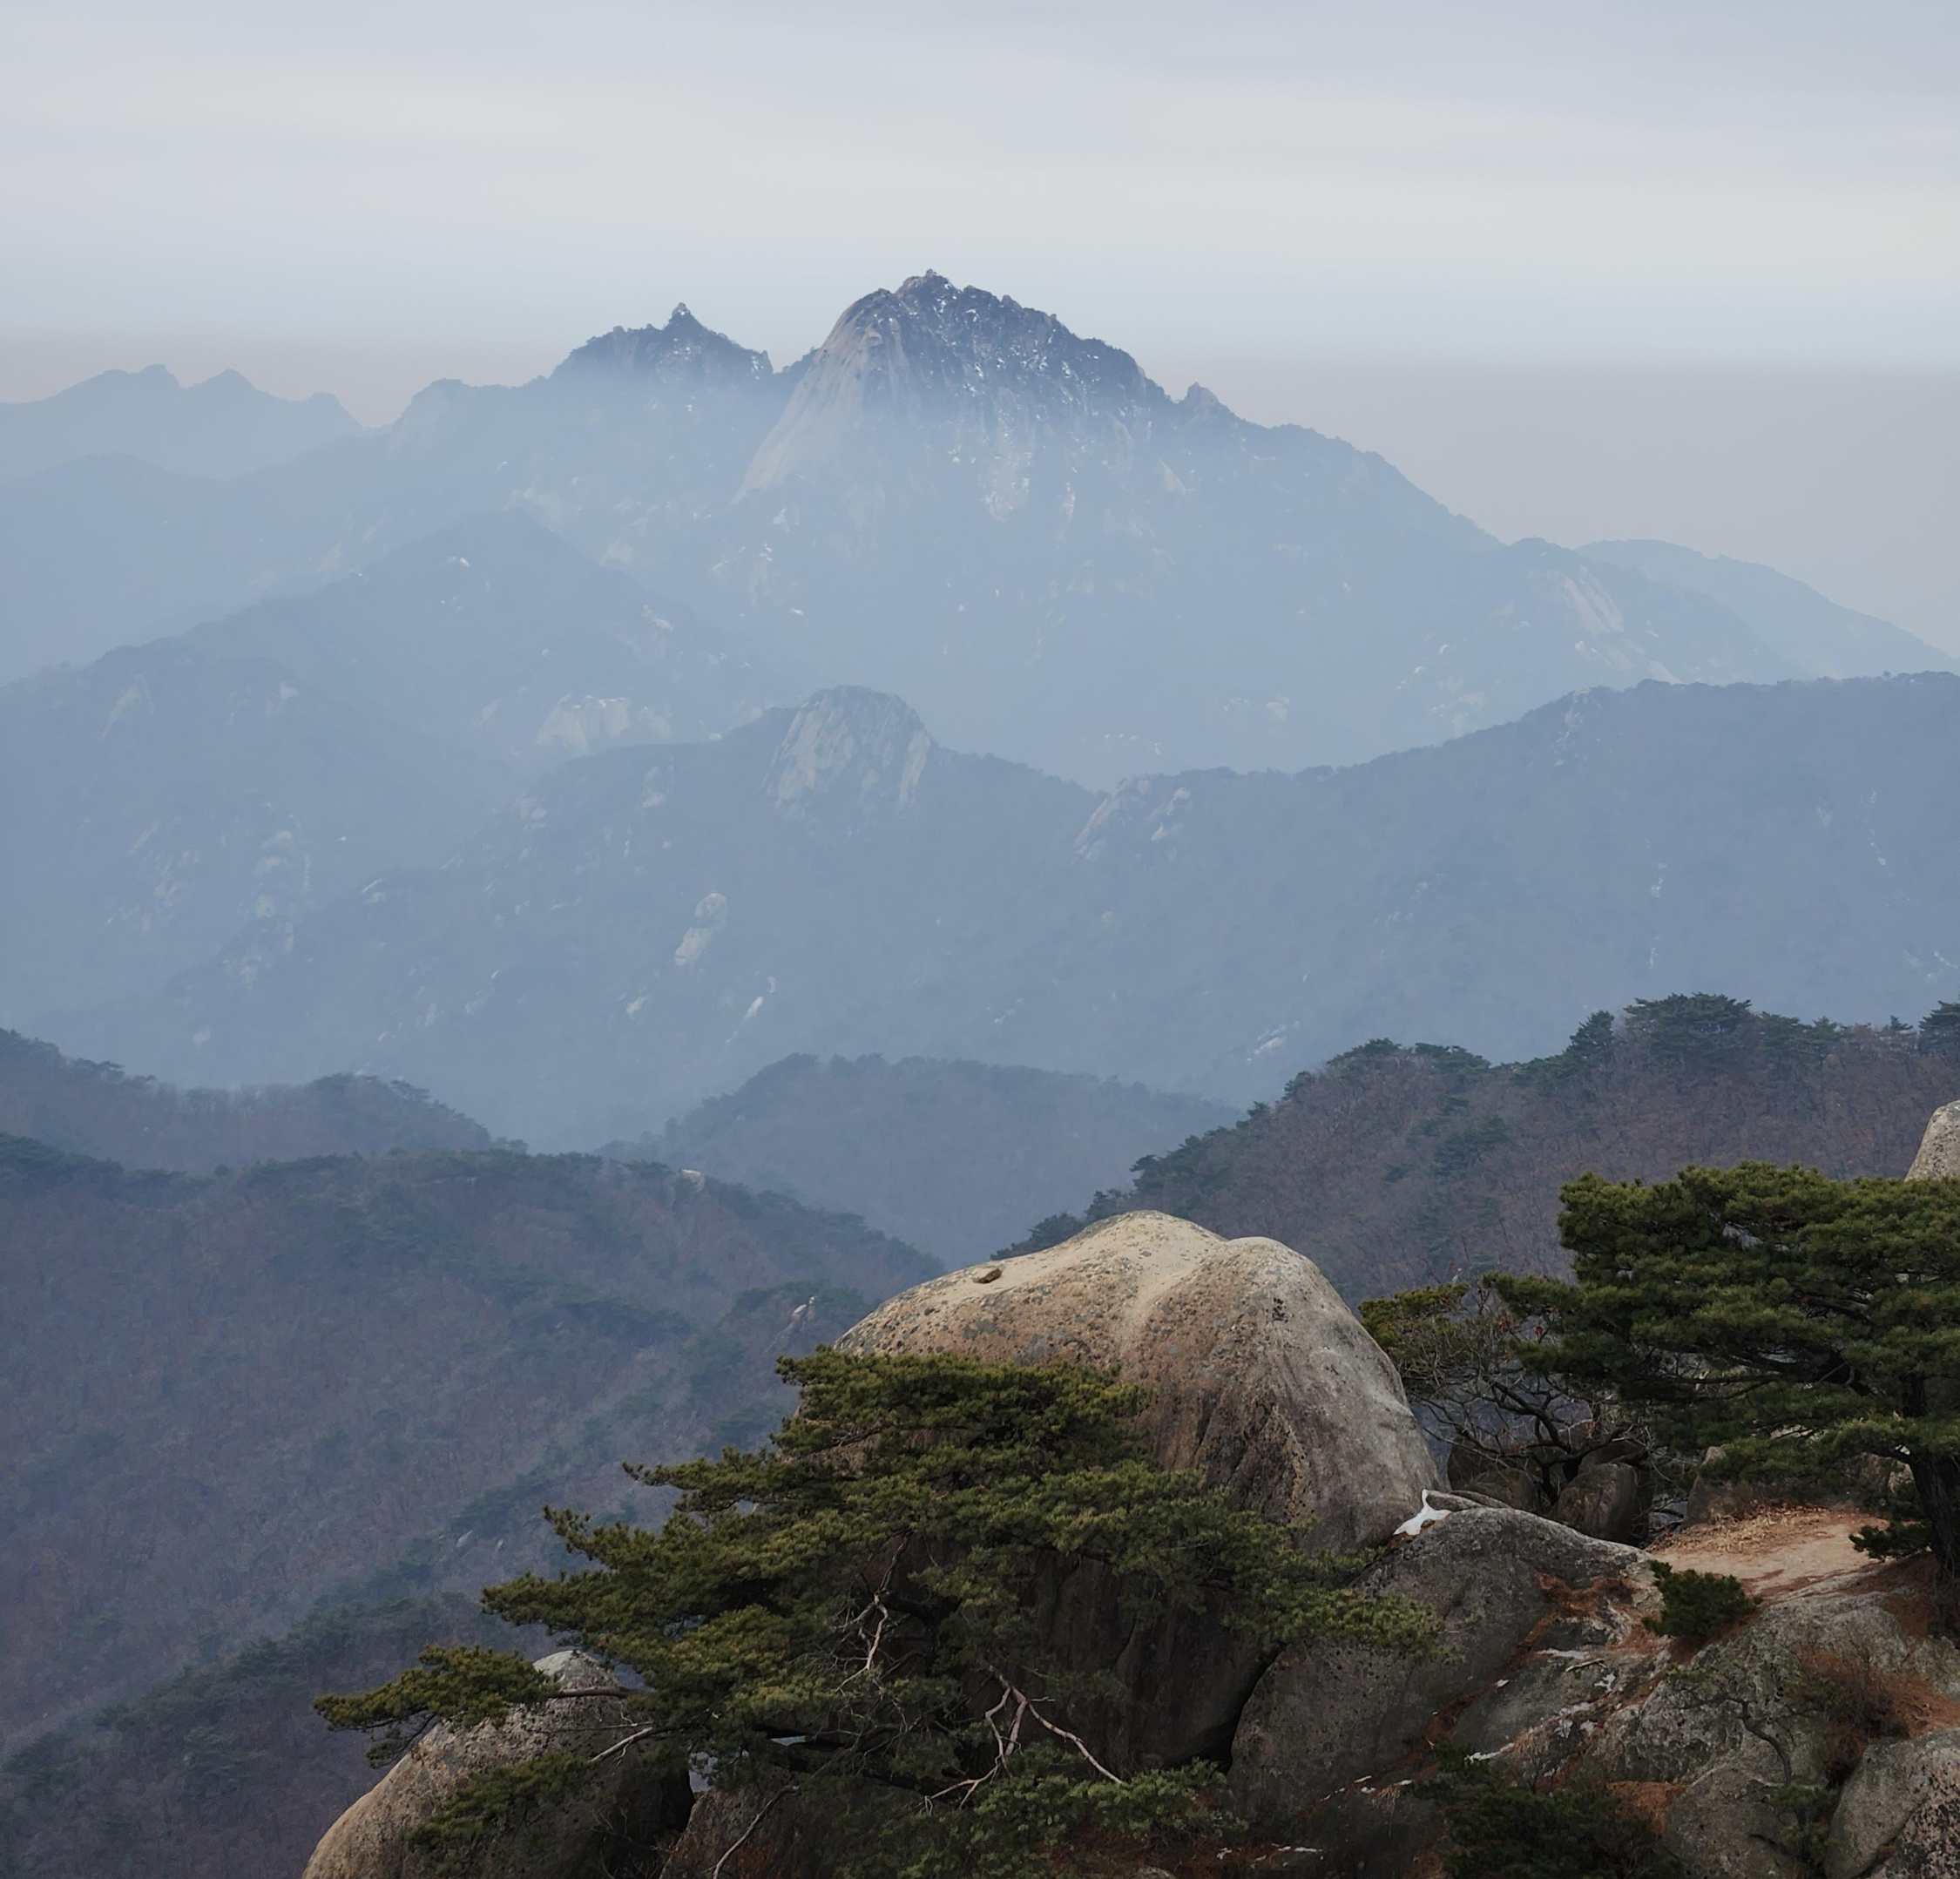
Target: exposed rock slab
[1260,1377]
[628,1805]
[1938,1159]
[1328,1714]
[1894,1785]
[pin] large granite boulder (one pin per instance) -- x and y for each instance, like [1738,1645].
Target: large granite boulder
[779,1829]
[622,1820]
[1261,1377]
[1938,1159]
[1327,1716]
[1901,1794]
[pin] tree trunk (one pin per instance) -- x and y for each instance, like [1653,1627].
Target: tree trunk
[1938,1480]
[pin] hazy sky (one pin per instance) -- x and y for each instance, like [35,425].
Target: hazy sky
[361,197]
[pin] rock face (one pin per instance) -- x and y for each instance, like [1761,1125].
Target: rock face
[1492,1575]
[628,1808]
[1832,1682]
[1603,1502]
[1938,1159]
[775,1832]
[1829,1722]
[1903,1797]
[1259,1377]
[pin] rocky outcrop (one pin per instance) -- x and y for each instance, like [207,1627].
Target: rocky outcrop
[1259,1377]
[779,1829]
[1938,1159]
[1776,1717]
[1828,1727]
[628,1808]
[1499,1580]
[1902,1800]
[1605,1501]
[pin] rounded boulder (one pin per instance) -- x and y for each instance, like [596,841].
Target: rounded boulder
[1259,1377]
[626,1805]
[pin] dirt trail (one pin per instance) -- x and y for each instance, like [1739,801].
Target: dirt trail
[1774,1550]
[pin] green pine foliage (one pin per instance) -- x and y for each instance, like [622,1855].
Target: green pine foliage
[1939,1031]
[1794,1320]
[1696,1606]
[491,1803]
[1501,1830]
[853,1604]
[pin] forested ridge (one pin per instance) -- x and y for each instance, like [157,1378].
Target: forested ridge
[231,1395]
[1393,1165]
[100,1109]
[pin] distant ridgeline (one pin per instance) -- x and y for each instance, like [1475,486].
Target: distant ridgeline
[1393,1165]
[96,1109]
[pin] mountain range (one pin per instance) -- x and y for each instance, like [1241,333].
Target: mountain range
[223,427]
[903,805]
[648,926]
[956,499]
[1391,1166]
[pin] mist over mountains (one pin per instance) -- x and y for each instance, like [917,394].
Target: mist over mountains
[222,427]
[957,500]
[648,926]
[869,810]
[508,765]
[955,1157]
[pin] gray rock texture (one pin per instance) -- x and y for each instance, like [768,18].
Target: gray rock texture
[1929,1843]
[771,1832]
[1603,1502]
[1327,1714]
[629,1804]
[1812,1682]
[1938,1159]
[1893,1785]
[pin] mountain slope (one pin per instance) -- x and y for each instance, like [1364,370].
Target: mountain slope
[157,802]
[954,498]
[646,429]
[954,1159]
[221,427]
[95,1109]
[223,1772]
[497,637]
[1394,1167]
[230,1397]
[1051,558]
[1816,634]
[649,928]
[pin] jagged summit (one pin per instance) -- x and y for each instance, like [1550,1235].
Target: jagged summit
[928,354]
[683,348]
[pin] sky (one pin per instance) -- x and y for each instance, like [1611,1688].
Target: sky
[1398,221]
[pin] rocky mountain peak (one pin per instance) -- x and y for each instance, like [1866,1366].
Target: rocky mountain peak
[851,746]
[930,356]
[683,348]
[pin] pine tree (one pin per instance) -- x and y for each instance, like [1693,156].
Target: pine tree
[853,1605]
[1795,1321]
